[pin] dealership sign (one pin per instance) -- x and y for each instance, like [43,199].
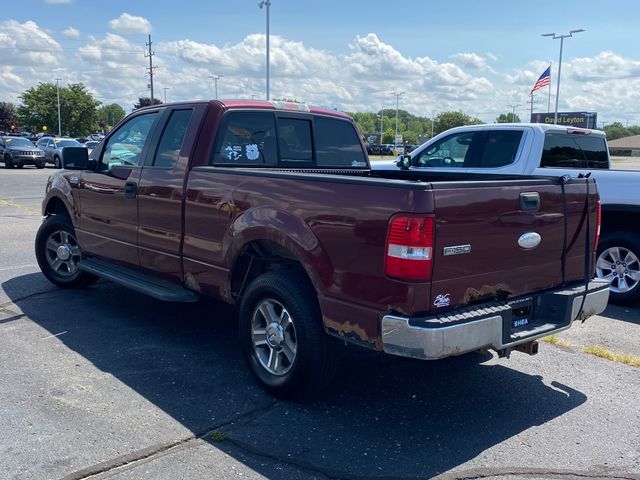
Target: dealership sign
[569,119]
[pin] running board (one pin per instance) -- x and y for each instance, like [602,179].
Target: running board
[138,281]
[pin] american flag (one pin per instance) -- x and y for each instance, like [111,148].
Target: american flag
[543,81]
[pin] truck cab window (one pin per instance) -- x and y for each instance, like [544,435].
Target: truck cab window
[500,148]
[454,151]
[561,151]
[171,141]
[246,138]
[337,144]
[595,150]
[125,146]
[294,140]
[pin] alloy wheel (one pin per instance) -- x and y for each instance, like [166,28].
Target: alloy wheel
[273,336]
[621,267]
[62,253]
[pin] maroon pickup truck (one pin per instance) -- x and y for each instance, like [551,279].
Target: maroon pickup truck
[273,207]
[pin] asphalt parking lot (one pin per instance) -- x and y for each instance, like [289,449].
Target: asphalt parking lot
[106,383]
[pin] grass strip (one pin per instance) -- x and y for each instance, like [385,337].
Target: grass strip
[602,352]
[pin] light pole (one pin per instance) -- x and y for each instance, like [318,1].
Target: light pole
[165,93]
[215,79]
[381,125]
[58,95]
[433,120]
[513,110]
[266,4]
[398,95]
[554,36]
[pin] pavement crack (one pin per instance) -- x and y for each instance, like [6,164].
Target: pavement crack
[130,459]
[536,473]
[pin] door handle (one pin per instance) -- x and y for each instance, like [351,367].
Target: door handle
[130,190]
[530,201]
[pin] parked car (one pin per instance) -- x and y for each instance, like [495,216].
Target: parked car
[276,210]
[540,149]
[91,144]
[52,147]
[19,151]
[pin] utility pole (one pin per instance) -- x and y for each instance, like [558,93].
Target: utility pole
[433,120]
[513,110]
[165,93]
[532,101]
[58,95]
[150,67]
[381,125]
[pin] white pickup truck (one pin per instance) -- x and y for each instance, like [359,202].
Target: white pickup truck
[550,150]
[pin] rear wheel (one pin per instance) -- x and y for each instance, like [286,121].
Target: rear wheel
[8,163]
[58,253]
[282,337]
[619,263]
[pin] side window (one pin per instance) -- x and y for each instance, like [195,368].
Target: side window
[454,151]
[125,146]
[246,138]
[337,144]
[562,152]
[172,138]
[294,140]
[500,148]
[595,149]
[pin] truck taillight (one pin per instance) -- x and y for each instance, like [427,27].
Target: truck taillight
[410,247]
[598,224]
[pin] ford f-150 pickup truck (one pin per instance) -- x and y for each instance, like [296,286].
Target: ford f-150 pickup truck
[273,207]
[539,149]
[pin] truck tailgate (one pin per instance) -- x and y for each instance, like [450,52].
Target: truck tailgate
[502,245]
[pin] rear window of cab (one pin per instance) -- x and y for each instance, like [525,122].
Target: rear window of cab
[270,139]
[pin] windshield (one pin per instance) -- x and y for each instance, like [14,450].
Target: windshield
[18,142]
[67,143]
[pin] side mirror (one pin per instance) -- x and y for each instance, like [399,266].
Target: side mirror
[404,162]
[75,158]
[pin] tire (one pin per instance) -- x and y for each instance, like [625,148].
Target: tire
[618,260]
[8,163]
[40,165]
[305,357]
[57,252]
[57,162]
[20,165]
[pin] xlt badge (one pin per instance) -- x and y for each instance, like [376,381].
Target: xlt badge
[456,250]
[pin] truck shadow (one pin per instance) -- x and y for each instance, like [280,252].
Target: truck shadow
[624,314]
[383,417]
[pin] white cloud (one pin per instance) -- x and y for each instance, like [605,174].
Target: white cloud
[71,32]
[127,23]
[471,60]
[27,44]
[606,65]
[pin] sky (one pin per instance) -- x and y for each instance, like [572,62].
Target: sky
[481,58]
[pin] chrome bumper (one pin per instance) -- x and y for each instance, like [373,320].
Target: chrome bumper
[489,326]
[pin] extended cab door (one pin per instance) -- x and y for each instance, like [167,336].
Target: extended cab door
[108,224]
[161,190]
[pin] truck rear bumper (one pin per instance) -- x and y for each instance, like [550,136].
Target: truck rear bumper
[498,325]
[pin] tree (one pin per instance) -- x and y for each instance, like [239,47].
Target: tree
[389,135]
[447,120]
[508,118]
[109,115]
[146,102]
[77,109]
[7,115]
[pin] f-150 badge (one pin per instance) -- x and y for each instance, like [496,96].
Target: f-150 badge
[456,250]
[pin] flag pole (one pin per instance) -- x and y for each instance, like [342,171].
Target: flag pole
[549,103]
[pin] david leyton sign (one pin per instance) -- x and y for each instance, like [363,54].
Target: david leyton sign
[572,119]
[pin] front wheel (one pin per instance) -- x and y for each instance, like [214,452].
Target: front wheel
[619,263]
[40,165]
[282,337]
[58,253]
[8,163]
[56,162]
